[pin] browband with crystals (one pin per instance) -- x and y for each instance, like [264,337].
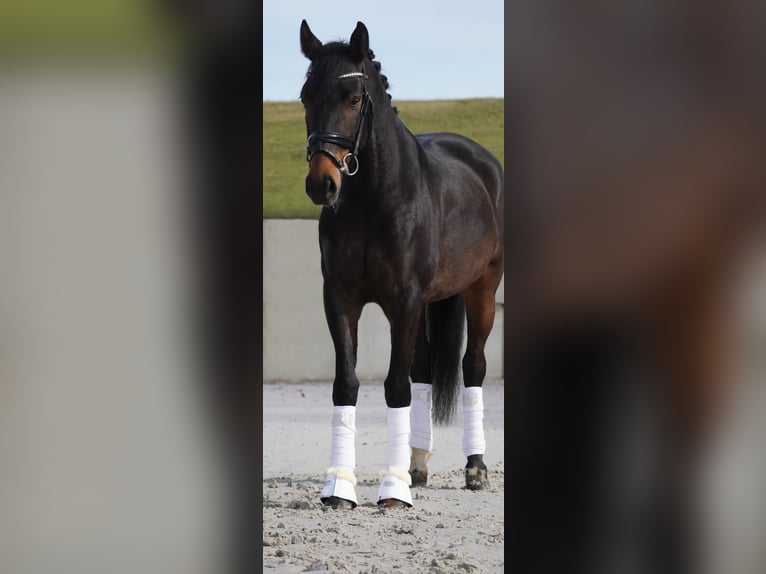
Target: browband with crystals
[353,75]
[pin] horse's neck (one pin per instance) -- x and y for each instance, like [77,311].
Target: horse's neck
[394,151]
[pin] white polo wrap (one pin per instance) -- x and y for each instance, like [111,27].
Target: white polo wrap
[473,421]
[343,450]
[421,435]
[398,449]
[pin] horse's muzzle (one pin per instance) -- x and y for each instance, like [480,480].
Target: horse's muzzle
[324,192]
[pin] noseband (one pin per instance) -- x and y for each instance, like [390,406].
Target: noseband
[317,140]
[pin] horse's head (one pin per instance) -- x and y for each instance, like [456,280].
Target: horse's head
[336,103]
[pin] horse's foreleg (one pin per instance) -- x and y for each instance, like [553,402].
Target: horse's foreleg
[342,319]
[395,486]
[480,311]
[421,425]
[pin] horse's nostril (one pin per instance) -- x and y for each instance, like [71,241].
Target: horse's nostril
[321,191]
[329,186]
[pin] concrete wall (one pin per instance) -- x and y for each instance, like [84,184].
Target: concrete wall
[296,341]
[106,457]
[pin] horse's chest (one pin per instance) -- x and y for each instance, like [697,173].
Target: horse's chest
[343,258]
[362,264]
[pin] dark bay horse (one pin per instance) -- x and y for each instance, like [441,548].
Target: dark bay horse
[414,224]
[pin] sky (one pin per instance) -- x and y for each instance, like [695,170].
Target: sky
[429,50]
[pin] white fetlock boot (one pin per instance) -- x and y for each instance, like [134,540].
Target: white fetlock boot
[395,488]
[339,483]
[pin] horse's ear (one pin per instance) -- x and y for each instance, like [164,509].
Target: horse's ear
[360,42]
[310,44]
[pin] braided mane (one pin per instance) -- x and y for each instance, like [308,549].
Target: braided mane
[383,77]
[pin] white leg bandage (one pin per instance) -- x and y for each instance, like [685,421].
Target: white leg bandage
[473,421]
[421,435]
[396,478]
[340,479]
[343,451]
[398,450]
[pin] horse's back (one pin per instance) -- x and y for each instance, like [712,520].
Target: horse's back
[466,187]
[458,157]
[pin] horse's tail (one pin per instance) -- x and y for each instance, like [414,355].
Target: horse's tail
[445,326]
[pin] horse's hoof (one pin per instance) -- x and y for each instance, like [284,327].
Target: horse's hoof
[338,503]
[419,477]
[392,503]
[419,466]
[476,478]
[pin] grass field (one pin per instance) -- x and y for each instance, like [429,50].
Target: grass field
[83,30]
[284,141]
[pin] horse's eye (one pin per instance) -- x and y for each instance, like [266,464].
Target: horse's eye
[355,101]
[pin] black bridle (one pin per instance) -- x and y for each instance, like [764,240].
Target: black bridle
[317,139]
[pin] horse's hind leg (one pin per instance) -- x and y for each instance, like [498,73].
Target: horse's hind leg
[480,312]
[421,426]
